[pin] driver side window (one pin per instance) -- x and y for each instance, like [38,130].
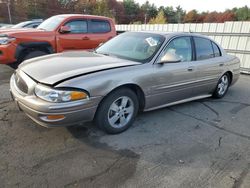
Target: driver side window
[180,47]
[77,26]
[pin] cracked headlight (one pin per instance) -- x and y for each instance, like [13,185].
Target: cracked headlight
[59,95]
[6,40]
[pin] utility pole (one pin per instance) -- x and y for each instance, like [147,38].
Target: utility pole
[145,18]
[36,8]
[8,7]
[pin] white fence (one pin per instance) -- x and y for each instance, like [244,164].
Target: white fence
[234,37]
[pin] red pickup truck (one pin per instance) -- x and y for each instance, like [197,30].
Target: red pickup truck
[56,34]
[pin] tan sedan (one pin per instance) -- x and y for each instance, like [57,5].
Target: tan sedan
[135,71]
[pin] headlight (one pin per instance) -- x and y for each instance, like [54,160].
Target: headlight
[58,95]
[6,40]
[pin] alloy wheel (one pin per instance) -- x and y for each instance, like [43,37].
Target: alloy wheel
[223,85]
[120,112]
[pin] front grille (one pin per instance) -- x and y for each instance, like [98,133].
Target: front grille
[21,85]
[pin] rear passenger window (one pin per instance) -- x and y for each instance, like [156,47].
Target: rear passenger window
[216,49]
[78,26]
[204,49]
[99,26]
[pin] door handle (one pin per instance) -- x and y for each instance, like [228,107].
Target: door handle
[221,64]
[85,38]
[190,69]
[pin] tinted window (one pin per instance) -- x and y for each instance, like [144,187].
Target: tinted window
[21,25]
[204,48]
[216,50]
[33,25]
[180,47]
[78,26]
[99,26]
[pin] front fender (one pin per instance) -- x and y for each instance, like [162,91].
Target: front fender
[23,48]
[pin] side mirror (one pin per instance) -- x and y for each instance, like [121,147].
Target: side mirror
[170,58]
[65,29]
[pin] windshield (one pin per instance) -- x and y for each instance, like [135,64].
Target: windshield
[51,24]
[20,25]
[139,47]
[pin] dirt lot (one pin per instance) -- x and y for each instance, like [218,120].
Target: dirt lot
[199,144]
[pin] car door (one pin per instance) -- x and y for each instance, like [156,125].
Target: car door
[78,38]
[174,81]
[209,65]
[100,31]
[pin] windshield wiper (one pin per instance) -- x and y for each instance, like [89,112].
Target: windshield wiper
[106,54]
[102,53]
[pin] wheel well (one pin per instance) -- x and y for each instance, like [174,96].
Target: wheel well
[137,90]
[26,48]
[139,93]
[230,75]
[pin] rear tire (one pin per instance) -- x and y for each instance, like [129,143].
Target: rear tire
[222,86]
[117,112]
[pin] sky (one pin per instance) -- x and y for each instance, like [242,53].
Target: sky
[200,5]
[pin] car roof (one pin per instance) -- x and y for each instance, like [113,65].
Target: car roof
[169,35]
[173,34]
[81,15]
[22,24]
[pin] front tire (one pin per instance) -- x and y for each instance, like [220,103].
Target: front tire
[222,86]
[117,111]
[30,55]
[34,54]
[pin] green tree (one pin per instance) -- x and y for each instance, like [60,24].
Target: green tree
[242,14]
[149,10]
[169,13]
[132,11]
[159,19]
[124,12]
[179,14]
[174,16]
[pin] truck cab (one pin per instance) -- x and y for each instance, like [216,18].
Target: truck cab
[56,34]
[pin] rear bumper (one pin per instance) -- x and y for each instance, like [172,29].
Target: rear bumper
[7,54]
[38,110]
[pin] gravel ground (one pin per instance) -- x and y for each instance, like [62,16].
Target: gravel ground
[205,143]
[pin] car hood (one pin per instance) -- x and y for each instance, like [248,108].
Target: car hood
[27,31]
[6,30]
[53,69]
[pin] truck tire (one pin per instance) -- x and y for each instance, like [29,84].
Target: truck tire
[28,56]
[34,54]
